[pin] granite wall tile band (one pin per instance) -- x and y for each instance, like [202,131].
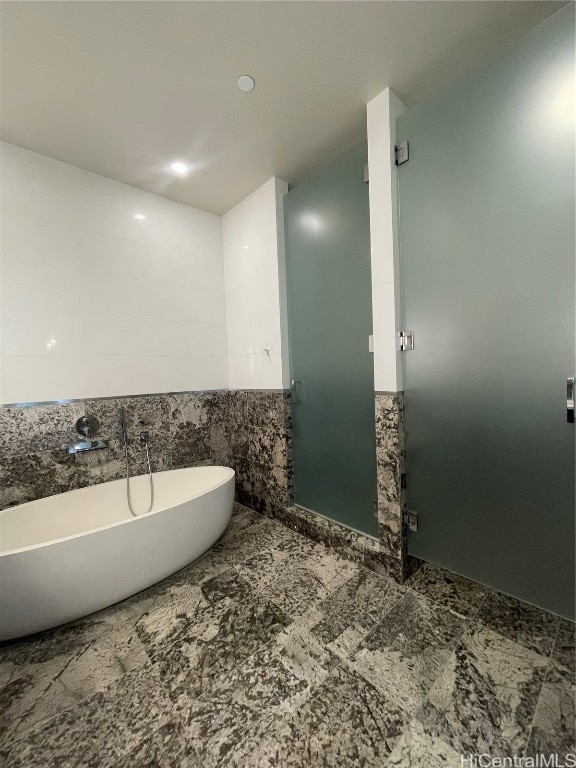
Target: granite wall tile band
[184,430]
[260,442]
[36,475]
[246,430]
[390,463]
[199,408]
[271,483]
[37,428]
[270,410]
[269,448]
[141,413]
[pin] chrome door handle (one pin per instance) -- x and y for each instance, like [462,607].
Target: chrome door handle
[570,400]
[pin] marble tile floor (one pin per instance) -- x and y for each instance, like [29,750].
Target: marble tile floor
[273,651]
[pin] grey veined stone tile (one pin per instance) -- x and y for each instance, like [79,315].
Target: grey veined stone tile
[230,624]
[38,428]
[271,684]
[407,650]
[37,689]
[564,652]
[66,641]
[354,608]
[448,589]
[486,696]
[167,747]
[36,475]
[95,735]
[525,624]
[166,621]
[554,725]
[301,583]
[418,749]
[345,723]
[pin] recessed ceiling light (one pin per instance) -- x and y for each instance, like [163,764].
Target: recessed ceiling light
[246,83]
[179,168]
[139,216]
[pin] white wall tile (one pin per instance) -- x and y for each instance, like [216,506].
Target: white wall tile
[251,335]
[182,304]
[26,285]
[39,378]
[116,375]
[39,332]
[257,299]
[198,340]
[29,239]
[198,373]
[135,306]
[118,295]
[106,335]
[256,371]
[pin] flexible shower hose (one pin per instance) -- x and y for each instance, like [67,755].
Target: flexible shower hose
[145,441]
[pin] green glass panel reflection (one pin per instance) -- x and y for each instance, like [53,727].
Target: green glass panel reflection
[330,319]
[487,258]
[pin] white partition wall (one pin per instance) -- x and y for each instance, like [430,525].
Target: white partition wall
[253,245]
[382,112]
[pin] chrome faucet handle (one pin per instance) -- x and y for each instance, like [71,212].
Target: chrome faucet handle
[87,426]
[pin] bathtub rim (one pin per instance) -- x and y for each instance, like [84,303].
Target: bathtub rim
[130,519]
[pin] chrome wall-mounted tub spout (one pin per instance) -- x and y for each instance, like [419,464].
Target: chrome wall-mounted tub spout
[83,446]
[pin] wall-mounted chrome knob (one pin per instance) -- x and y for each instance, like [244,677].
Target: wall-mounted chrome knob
[87,426]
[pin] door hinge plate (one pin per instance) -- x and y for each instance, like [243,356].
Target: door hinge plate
[401,153]
[406,340]
[411,519]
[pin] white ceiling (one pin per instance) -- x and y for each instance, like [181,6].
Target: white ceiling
[123,88]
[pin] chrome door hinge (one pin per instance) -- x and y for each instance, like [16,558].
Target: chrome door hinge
[411,520]
[570,400]
[401,153]
[406,340]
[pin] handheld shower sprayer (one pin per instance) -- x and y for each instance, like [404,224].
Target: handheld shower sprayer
[123,426]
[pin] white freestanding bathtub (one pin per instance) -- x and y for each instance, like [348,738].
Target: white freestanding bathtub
[69,555]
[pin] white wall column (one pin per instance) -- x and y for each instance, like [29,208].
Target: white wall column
[382,112]
[254,275]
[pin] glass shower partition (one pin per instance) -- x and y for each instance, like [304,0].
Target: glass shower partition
[330,319]
[487,258]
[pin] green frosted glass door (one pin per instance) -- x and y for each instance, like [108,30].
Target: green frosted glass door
[330,319]
[487,265]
